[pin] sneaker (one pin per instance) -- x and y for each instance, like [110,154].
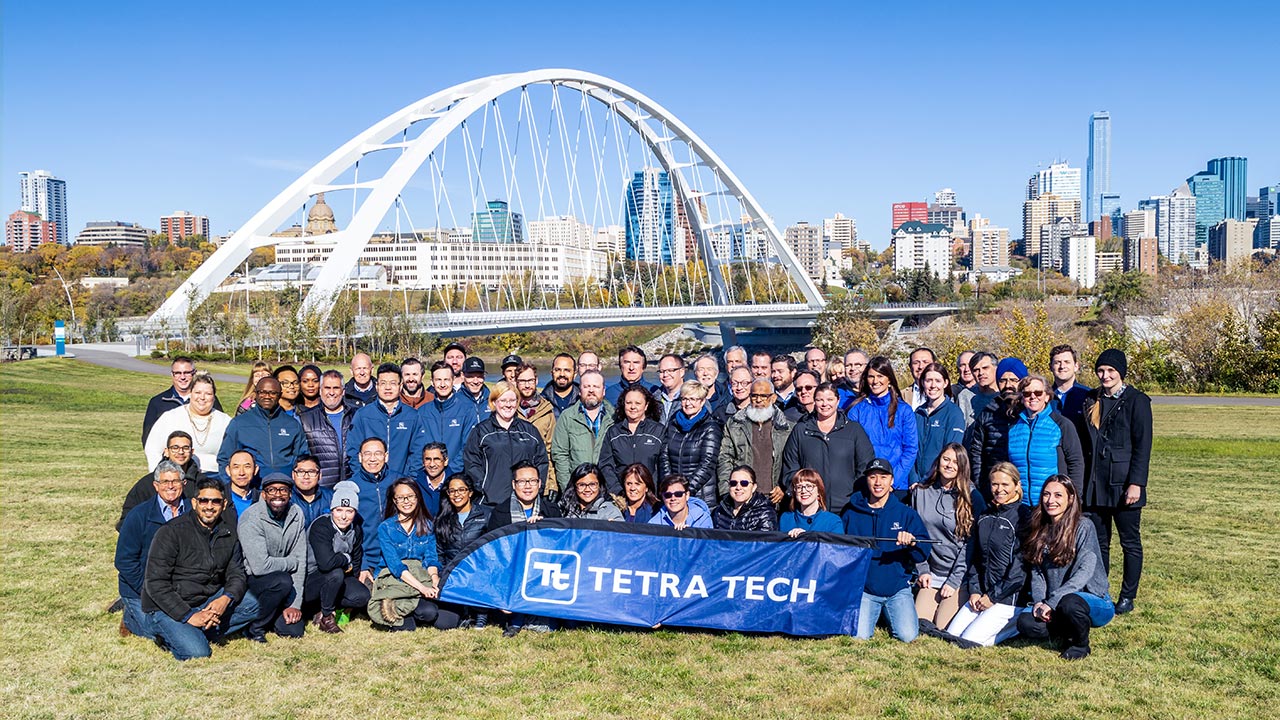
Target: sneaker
[538,628]
[1075,652]
[511,631]
[328,624]
[256,637]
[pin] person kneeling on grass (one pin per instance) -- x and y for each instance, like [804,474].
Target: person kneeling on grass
[1068,579]
[876,513]
[527,506]
[405,591]
[195,588]
[809,506]
[336,542]
[136,532]
[679,510]
[273,539]
[996,570]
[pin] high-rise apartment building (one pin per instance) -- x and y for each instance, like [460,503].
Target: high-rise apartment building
[920,246]
[1234,173]
[1079,259]
[1139,224]
[1175,224]
[497,223]
[1058,179]
[1099,169]
[909,212]
[46,195]
[1231,241]
[1040,211]
[25,231]
[182,224]
[805,241]
[946,212]
[841,234]
[650,221]
[945,196]
[1052,238]
[988,245]
[1208,189]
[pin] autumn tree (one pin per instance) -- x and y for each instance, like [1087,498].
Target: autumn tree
[844,324]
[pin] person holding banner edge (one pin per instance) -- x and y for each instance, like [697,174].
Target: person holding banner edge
[876,513]
[526,505]
[679,510]
[809,506]
[462,519]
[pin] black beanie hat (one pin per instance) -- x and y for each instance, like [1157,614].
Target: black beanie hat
[1113,358]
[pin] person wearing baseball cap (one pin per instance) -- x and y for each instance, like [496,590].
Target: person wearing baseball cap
[474,391]
[336,542]
[274,544]
[455,354]
[895,529]
[1117,452]
[510,366]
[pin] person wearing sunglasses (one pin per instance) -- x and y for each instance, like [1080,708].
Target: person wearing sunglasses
[744,508]
[1041,442]
[679,509]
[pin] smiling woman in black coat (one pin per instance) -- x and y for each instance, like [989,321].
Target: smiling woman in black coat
[1117,446]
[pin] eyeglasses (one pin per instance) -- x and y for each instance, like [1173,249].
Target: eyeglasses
[669,371]
[691,399]
[170,483]
[805,488]
[588,486]
[761,396]
[740,483]
[527,481]
[306,473]
[373,454]
[527,381]
[276,490]
[674,494]
[458,491]
[386,383]
[208,501]
[405,498]
[183,372]
[806,388]
[1033,393]
[178,448]
[288,383]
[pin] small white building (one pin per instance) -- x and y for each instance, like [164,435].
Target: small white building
[1079,260]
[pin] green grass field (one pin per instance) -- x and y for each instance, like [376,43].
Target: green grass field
[1203,643]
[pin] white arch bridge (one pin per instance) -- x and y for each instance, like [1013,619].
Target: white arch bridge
[548,198]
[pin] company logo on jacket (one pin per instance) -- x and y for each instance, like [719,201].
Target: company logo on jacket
[453,422]
[283,433]
[400,426]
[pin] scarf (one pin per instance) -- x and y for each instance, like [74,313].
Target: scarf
[686,423]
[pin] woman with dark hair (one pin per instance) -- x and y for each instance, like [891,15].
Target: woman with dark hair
[830,444]
[888,421]
[639,498]
[1117,440]
[634,437]
[584,496]
[938,420]
[405,590]
[1068,580]
[947,503]
[809,506]
[462,520]
[290,388]
[996,570]
[691,444]
[261,369]
[679,508]
[744,508]
[308,387]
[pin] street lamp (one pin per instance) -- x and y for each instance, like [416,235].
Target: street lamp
[70,303]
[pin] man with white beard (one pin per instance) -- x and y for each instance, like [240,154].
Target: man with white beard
[755,436]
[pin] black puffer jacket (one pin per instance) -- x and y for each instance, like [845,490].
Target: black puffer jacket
[996,568]
[693,454]
[325,444]
[757,515]
[839,456]
[988,443]
[451,539]
[491,451]
[188,564]
[621,448]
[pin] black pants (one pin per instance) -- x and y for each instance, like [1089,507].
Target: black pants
[1069,623]
[274,592]
[333,590]
[429,614]
[1128,522]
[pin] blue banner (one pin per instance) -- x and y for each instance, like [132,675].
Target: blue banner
[646,575]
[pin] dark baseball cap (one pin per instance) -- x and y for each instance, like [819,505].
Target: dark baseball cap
[277,478]
[879,465]
[472,365]
[454,346]
[510,360]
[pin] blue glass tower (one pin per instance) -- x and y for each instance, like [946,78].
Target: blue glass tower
[1098,172]
[650,227]
[497,224]
[1208,189]
[1233,171]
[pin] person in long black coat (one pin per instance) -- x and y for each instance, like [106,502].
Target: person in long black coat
[1117,431]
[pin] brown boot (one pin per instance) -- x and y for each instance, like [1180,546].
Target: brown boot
[329,624]
[124,631]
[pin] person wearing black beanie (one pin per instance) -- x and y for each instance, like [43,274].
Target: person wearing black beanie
[1116,432]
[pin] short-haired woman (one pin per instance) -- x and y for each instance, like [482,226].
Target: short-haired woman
[808,511]
[691,444]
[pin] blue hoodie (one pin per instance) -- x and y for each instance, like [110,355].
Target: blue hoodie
[448,421]
[276,441]
[934,430]
[398,429]
[898,444]
[699,516]
[892,565]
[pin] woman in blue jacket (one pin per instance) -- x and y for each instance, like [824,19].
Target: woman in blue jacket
[1041,441]
[939,421]
[888,421]
[406,534]
[809,506]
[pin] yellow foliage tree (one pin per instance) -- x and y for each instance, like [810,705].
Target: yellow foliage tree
[1028,339]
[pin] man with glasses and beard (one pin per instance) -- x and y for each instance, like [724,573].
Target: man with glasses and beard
[756,436]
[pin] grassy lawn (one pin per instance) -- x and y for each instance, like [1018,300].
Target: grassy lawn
[1203,642]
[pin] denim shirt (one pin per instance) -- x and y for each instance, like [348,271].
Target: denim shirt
[398,546]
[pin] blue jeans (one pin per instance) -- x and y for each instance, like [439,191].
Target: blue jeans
[137,621]
[187,641]
[901,609]
[1101,609]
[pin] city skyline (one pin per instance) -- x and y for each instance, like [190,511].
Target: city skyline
[259,87]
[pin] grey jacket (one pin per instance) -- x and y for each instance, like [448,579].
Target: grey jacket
[1050,583]
[271,546]
[735,449]
[937,510]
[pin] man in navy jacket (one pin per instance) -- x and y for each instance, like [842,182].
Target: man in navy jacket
[136,532]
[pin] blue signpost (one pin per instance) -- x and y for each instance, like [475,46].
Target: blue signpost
[60,337]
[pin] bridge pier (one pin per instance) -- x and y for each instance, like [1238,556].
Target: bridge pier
[728,334]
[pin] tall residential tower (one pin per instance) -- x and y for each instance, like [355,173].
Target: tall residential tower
[1098,173]
[46,195]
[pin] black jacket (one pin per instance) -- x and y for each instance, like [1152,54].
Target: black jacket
[996,568]
[358,398]
[162,403]
[325,444]
[145,489]
[988,443]
[839,457]
[694,455]
[451,541]
[500,516]
[320,538]
[621,448]
[189,564]
[491,450]
[1117,453]
[757,515]
[558,404]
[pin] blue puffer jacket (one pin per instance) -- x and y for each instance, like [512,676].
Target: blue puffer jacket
[891,564]
[373,495]
[898,444]
[276,441]
[397,429]
[933,431]
[448,421]
[1043,445]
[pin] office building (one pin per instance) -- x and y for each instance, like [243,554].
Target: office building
[1099,168]
[496,223]
[1139,224]
[1208,189]
[650,220]
[805,241]
[25,231]
[1141,254]
[946,213]
[909,212]
[1234,173]
[182,224]
[1079,261]
[921,246]
[1058,179]
[114,233]
[1108,262]
[46,196]
[841,233]
[562,230]
[1231,241]
[1111,208]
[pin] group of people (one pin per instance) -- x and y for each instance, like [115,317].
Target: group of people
[988,502]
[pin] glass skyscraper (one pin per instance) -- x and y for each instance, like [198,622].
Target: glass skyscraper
[497,224]
[1208,189]
[1233,171]
[650,208]
[1098,173]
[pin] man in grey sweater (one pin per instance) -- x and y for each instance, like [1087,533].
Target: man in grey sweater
[274,543]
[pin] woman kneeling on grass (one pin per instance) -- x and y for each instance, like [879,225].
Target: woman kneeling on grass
[947,503]
[996,570]
[679,510]
[1068,582]
[809,506]
[745,508]
[405,591]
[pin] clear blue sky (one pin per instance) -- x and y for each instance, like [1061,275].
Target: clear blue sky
[145,108]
